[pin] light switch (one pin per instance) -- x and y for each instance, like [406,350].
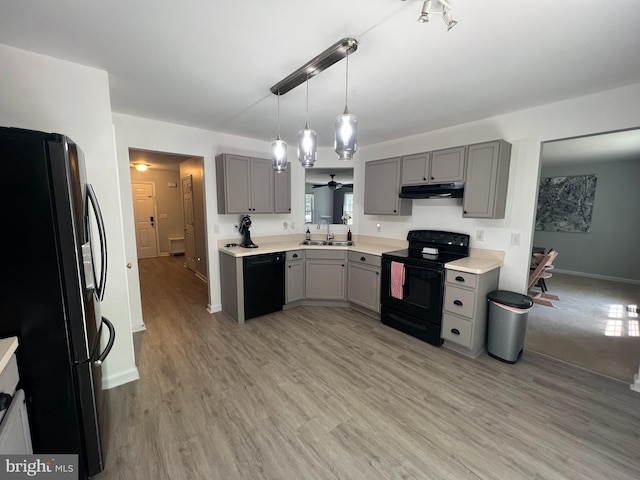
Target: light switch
[515,239]
[163,215]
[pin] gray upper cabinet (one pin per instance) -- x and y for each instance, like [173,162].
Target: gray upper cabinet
[441,166]
[282,202]
[382,187]
[448,166]
[485,192]
[415,169]
[245,185]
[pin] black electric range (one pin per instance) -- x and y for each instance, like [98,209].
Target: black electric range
[412,287]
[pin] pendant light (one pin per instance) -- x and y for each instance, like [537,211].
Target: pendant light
[307,144]
[279,148]
[346,128]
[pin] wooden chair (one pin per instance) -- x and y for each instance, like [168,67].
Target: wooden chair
[537,272]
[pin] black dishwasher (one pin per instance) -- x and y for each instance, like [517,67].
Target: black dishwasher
[263,284]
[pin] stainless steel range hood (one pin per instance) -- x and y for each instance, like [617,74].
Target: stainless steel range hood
[442,190]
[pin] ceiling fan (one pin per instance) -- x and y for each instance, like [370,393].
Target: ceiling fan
[333,185]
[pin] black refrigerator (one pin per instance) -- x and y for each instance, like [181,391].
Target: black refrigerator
[54,275]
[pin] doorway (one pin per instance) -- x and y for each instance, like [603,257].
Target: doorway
[144,214]
[594,322]
[178,212]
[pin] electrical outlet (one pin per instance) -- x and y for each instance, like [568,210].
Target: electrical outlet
[292,225]
[515,239]
[378,227]
[285,225]
[480,235]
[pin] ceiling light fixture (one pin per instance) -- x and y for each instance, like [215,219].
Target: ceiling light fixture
[424,14]
[447,16]
[307,144]
[279,149]
[313,67]
[141,167]
[440,6]
[346,128]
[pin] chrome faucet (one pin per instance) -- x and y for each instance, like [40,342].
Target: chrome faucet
[329,234]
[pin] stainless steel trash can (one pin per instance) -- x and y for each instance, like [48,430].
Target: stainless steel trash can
[508,312]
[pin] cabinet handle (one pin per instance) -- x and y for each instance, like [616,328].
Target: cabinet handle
[455,331]
[295,255]
[289,266]
[394,211]
[457,302]
[363,259]
[458,279]
[377,273]
[343,264]
[464,211]
[433,178]
[424,178]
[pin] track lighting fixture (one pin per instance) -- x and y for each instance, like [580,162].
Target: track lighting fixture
[440,6]
[424,14]
[447,16]
[279,149]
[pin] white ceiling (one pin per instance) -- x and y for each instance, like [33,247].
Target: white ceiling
[210,63]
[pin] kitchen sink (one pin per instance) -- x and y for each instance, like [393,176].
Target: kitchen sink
[331,243]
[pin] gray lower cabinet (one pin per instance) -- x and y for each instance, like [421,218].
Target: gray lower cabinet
[325,275]
[294,276]
[244,184]
[485,191]
[363,286]
[464,318]
[382,187]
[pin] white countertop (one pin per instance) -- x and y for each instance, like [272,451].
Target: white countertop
[283,246]
[8,346]
[480,261]
[477,265]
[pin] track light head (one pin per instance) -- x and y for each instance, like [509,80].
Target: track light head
[447,17]
[424,14]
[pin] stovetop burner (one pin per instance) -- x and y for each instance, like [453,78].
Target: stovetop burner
[449,245]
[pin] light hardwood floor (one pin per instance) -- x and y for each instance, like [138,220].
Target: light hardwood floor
[329,393]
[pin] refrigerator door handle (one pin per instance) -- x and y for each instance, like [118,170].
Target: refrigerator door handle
[93,201]
[112,336]
[87,261]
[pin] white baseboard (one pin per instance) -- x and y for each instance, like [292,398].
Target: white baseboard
[214,308]
[635,386]
[598,277]
[138,328]
[120,379]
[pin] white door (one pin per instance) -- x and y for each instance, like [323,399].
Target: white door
[145,220]
[189,228]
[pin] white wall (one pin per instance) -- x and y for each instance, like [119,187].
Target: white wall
[43,93]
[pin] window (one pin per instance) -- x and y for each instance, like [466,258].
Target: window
[347,209]
[308,208]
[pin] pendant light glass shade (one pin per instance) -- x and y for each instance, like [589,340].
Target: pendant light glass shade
[307,141]
[346,128]
[279,149]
